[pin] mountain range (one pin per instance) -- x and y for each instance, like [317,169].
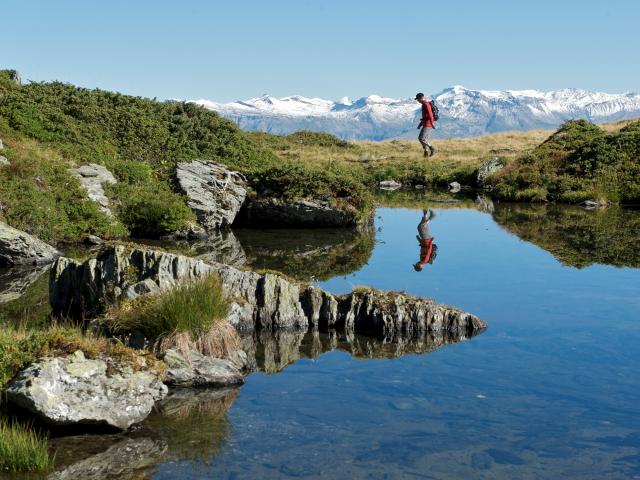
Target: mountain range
[463,112]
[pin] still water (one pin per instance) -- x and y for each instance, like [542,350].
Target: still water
[551,390]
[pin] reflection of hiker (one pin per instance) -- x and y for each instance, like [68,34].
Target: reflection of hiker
[426,126]
[428,249]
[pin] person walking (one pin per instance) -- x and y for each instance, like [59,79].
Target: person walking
[426,126]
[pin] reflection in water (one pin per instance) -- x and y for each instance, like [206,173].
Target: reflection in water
[272,352]
[575,236]
[428,249]
[15,281]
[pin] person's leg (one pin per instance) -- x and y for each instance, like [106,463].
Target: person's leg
[424,135]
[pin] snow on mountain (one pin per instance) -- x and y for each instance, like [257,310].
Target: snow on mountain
[463,112]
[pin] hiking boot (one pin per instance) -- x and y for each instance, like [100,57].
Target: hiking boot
[426,153]
[434,150]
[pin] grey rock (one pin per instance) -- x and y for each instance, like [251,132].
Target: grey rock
[92,240]
[221,246]
[299,213]
[75,390]
[129,458]
[593,204]
[213,192]
[20,248]
[1,145]
[92,176]
[4,162]
[197,370]
[15,77]
[15,281]
[238,359]
[454,187]
[389,185]
[488,168]
[263,301]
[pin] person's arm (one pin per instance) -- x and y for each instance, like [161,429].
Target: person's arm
[423,121]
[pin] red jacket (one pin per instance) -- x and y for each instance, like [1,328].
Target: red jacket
[427,114]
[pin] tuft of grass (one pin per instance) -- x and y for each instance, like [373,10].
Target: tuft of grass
[22,448]
[188,317]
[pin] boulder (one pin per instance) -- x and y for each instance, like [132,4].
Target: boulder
[488,168]
[262,301]
[79,391]
[213,192]
[4,162]
[593,204]
[20,248]
[454,187]
[92,176]
[299,213]
[197,370]
[389,185]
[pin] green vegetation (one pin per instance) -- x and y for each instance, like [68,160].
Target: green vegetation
[22,448]
[574,236]
[580,161]
[188,317]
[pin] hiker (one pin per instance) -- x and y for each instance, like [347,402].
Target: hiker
[426,126]
[428,249]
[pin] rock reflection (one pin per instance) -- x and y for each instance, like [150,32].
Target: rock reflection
[272,352]
[15,281]
[575,236]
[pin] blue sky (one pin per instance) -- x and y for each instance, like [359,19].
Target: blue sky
[228,50]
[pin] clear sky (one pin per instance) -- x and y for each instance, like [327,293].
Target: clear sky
[228,50]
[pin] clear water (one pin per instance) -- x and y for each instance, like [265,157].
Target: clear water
[551,390]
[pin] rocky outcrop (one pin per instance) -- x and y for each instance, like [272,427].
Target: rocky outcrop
[488,168]
[128,458]
[15,281]
[213,192]
[76,390]
[92,176]
[20,248]
[197,370]
[262,301]
[298,213]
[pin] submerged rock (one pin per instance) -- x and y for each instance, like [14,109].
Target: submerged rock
[76,390]
[92,176]
[213,192]
[197,370]
[129,458]
[299,213]
[20,248]
[488,168]
[263,301]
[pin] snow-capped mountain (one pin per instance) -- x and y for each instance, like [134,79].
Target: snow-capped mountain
[463,112]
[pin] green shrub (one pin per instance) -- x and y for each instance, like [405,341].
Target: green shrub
[22,449]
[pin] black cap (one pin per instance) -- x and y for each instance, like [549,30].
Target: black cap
[419,96]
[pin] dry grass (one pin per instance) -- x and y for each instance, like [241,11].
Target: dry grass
[219,341]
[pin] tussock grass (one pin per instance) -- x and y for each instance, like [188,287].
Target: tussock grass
[22,449]
[188,317]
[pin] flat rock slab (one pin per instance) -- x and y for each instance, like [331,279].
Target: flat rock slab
[197,370]
[92,176]
[20,248]
[214,192]
[78,391]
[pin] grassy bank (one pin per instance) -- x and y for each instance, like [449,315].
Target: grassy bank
[22,448]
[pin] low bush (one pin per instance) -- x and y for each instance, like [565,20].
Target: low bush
[22,448]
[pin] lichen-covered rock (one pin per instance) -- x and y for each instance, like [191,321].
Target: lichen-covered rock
[488,168]
[197,370]
[213,192]
[300,213]
[20,248]
[76,390]
[92,176]
[263,301]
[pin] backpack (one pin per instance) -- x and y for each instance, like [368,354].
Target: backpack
[435,110]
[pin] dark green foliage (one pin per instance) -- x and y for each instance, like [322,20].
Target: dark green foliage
[580,161]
